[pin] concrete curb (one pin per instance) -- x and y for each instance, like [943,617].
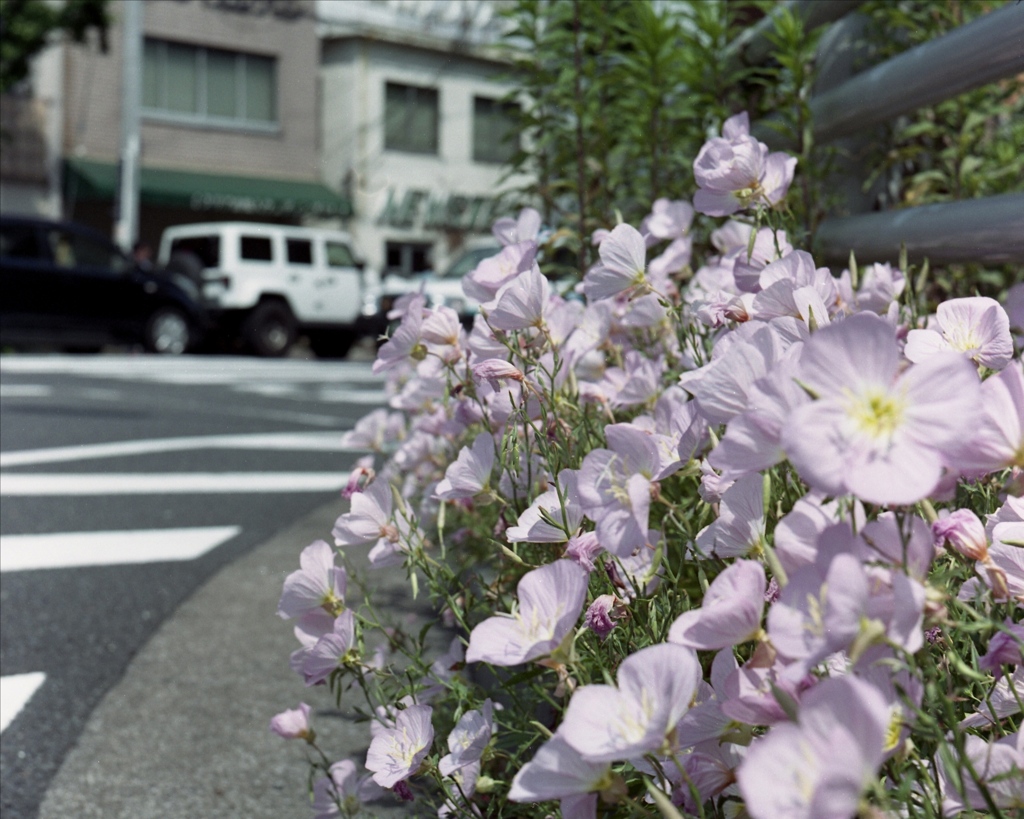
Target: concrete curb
[185,735]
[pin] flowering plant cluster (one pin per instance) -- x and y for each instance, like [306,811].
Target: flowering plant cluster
[740,541]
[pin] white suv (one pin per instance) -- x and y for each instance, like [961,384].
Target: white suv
[266,284]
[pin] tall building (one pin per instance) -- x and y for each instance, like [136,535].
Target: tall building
[229,123]
[415,129]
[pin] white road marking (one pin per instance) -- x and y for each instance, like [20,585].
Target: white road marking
[339,395]
[272,390]
[25,390]
[15,691]
[194,370]
[136,483]
[63,550]
[293,441]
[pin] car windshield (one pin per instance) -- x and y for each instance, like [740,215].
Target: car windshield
[469,260]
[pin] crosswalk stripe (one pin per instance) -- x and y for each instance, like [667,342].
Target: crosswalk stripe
[219,370]
[15,691]
[25,390]
[137,483]
[295,441]
[69,549]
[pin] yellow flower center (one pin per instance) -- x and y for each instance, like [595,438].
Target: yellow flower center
[878,414]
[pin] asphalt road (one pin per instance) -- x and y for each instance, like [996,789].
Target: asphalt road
[125,483]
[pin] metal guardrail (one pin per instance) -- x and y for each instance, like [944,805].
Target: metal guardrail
[754,46]
[988,230]
[982,51]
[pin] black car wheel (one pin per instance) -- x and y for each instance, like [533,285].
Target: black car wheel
[167,332]
[270,330]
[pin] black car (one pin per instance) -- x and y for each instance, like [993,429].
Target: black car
[65,284]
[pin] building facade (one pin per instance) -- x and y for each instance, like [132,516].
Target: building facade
[382,117]
[415,130]
[228,124]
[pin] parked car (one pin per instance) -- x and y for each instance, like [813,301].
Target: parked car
[267,284]
[440,289]
[65,284]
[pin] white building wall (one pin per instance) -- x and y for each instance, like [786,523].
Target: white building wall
[354,72]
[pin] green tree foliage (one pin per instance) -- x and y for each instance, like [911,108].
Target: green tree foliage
[617,96]
[26,26]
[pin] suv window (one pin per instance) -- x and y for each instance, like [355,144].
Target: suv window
[300,251]
[204,248]
[339,255]
[72,249]
[256,249]
[19,242]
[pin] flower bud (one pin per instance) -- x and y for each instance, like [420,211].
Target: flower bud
[293,724]
[964,532]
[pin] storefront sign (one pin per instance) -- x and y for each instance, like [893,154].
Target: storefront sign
[281,9]
[420,208]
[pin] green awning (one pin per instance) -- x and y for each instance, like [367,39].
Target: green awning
[86,179]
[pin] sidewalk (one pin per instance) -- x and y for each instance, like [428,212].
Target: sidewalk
[184,734]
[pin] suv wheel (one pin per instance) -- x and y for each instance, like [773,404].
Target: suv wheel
[167,332]
[270,330]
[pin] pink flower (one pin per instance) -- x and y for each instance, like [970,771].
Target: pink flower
[525,228]
[331,651]
[735,171]
[872,431]
[583,549]
[739,530]
[769,245]
[522,302]
[483,282]
[550,601]
[999,764]
[395,753]
[494,370]
[471,473]
[562,506]
[818,767]
[602,614]
[468,739]
[962,530]
[623,264]
[345,786]
[730,613]
[998,439]
[319,584]
[820,610]
[670,219]
[558,771]
[406,345]
[1005,648]
[369,518]
[361,475]
[293,724]
[978,327]
[655,687]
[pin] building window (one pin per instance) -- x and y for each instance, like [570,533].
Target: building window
[407,258]
[410,119]
[495,132]
[208,85]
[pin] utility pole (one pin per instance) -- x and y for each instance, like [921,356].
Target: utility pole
[126,228]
